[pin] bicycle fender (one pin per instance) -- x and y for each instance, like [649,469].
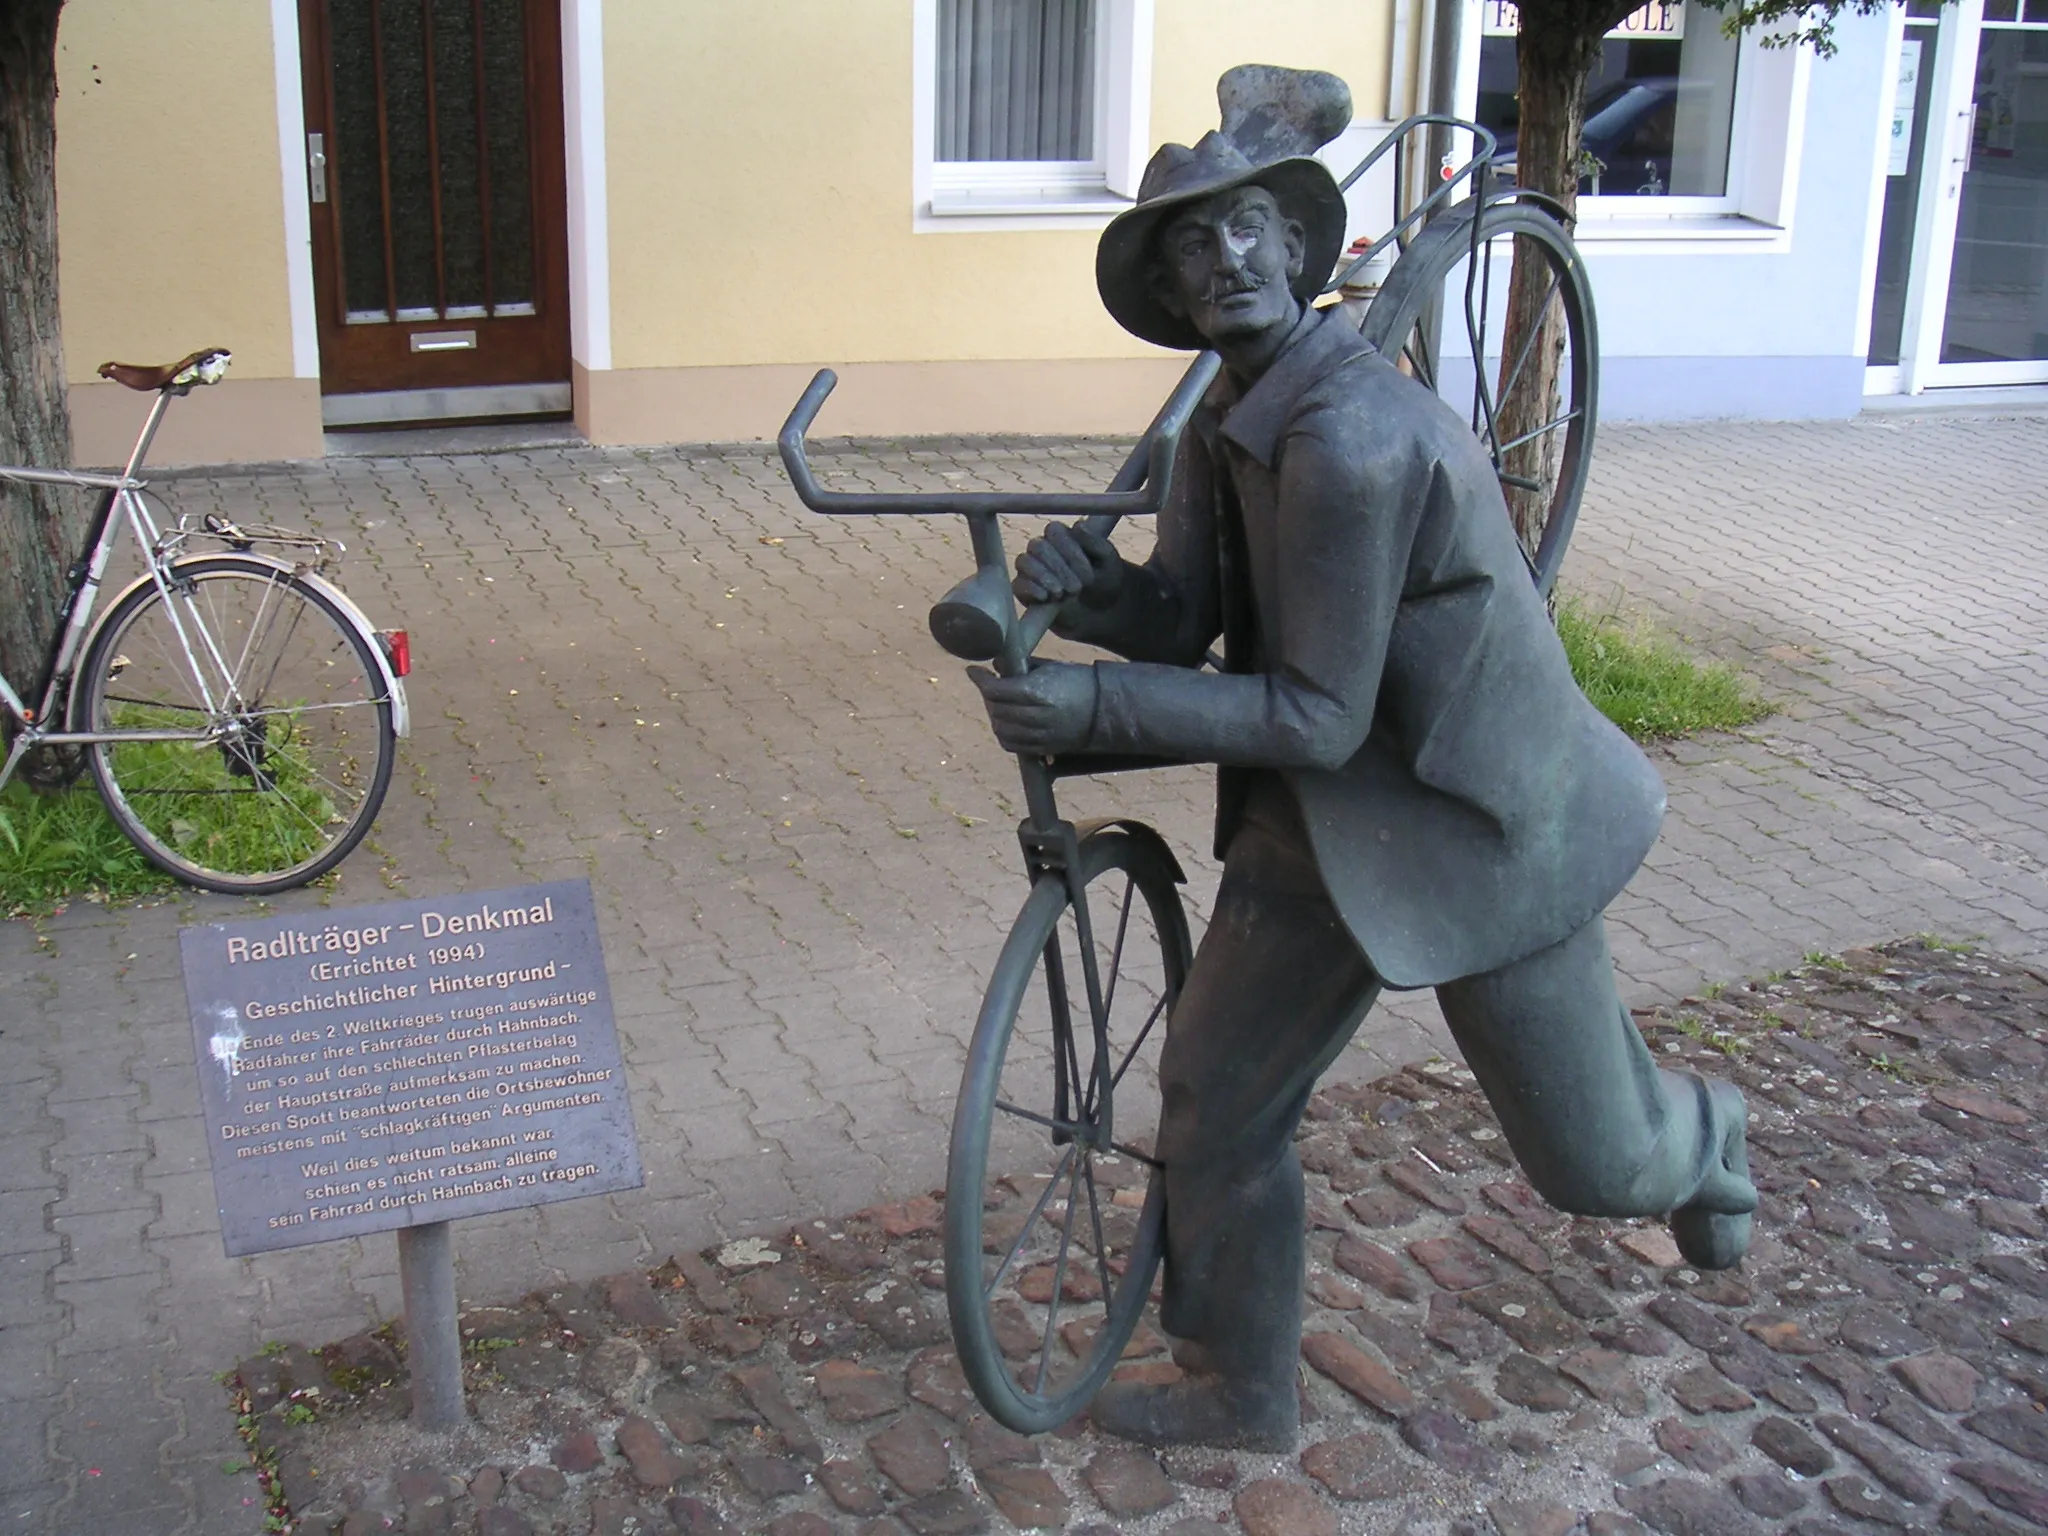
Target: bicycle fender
[401,714]
[1138,832]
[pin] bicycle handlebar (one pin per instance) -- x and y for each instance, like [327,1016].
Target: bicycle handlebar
[978,619]
[1154,456]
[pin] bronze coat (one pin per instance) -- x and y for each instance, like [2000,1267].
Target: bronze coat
[1344,533]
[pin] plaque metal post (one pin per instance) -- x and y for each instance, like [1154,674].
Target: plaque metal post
[426,1274]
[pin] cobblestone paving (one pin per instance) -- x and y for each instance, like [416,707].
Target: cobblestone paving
[650,668]
[1475,1363]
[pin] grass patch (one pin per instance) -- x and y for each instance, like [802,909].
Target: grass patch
[60,845]
[1646,684]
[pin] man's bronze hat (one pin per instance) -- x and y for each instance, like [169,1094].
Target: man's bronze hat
[1274,120]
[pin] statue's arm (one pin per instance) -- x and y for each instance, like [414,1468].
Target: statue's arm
[1347,519]
[1167,611]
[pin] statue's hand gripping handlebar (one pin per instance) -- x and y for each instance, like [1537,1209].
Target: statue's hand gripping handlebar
[978,619]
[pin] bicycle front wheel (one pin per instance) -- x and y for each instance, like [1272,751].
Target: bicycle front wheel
[1054,1209]
[1513,334]
[293,736]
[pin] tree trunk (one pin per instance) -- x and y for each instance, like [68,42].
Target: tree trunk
[42,529]
[1555,53]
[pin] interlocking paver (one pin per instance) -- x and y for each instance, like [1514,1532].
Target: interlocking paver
[731,738]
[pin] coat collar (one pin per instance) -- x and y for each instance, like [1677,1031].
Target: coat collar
[1256,419]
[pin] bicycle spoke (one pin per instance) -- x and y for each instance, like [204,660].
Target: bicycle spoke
[1116,958]
[1123,1149]
[1059,1278]
[1024,1232]
[1507,387]
[1092,1100]
[283,647]
[1066,1127]
[1158,1009]
[1101,1247]
[292,711]
[1565,420]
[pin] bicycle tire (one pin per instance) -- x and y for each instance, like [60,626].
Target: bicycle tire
[1545,496]
[301,740]
[1031,1373]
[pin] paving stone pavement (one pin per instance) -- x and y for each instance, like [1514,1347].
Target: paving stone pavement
[1475,1363]
[651,668]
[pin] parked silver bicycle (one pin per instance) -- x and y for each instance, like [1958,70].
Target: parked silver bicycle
[238,712]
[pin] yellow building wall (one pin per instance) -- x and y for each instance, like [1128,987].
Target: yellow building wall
[759,176]
[171,225]
[759,192]
[759,172]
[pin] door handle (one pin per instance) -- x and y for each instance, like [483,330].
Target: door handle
[1966,122]
[316,165]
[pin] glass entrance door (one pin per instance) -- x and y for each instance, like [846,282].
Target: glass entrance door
[1995,325]
[1961,295]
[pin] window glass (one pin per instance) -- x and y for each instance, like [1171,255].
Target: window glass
[1660,104]
[1901,190]
[1016,80]
[1998,286]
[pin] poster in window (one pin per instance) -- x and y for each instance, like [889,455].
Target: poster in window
[1903,101]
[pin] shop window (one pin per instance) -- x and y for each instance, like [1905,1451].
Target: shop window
[1030,106]
[1660,104]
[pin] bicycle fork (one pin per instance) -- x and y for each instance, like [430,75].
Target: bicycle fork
[1083,1101]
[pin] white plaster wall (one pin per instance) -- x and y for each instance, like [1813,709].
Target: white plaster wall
[1771,336]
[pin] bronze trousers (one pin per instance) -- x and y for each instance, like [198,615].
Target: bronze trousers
[1278,988]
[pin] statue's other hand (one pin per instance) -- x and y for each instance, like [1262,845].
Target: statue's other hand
[1049,709]
[1068,563]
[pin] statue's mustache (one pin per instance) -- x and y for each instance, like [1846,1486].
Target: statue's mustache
[1230,287]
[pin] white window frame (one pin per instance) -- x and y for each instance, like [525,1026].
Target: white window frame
[1767,132]
[959,196]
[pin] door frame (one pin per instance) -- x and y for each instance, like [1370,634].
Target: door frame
[1944,160]
[385,358]
[583,91]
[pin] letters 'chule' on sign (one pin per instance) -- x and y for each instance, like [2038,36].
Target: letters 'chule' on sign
[408,1062]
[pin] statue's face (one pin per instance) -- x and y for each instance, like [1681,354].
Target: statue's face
[1226,265]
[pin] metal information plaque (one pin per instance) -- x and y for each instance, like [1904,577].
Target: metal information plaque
[409,1062]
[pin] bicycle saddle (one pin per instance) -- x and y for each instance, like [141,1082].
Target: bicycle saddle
[202,367]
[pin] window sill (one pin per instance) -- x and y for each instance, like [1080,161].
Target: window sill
[1011,209]
[1630,234]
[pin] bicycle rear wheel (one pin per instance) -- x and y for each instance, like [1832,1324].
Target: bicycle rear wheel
[1527,360]
[1053,1207]
[299,739]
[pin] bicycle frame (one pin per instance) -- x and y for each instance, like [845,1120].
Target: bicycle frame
[978,621]
[211,672]
[123,499]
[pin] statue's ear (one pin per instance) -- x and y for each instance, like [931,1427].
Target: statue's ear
[1296,240]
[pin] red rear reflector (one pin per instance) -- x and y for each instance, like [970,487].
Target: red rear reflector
[398,650]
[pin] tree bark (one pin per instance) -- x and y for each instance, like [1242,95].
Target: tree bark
[42,529]
[1555,50]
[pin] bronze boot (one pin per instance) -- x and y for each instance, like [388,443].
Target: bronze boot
[1712,1228]
[1230,1413]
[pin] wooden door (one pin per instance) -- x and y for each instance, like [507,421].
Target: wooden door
[434,158]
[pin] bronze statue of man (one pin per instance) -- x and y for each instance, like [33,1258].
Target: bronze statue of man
[1412,789]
